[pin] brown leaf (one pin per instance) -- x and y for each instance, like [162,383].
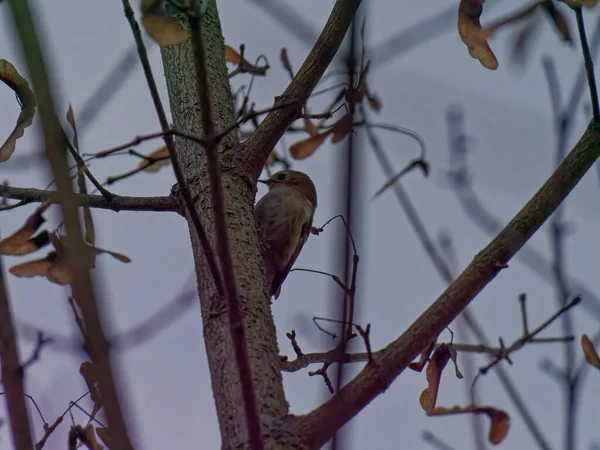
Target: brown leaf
[88,437]
[436,365]
[12,78]
[373,100]
[471,33]
[39,267]
[157,160]
[285,61]
[500,420]
[306,147]
[341,128]
[164,30]
[29,246]
[591,355]
[54,266]
[559,20]
[453,357]
[232,56]
[580,3]
[418,366]
[19,243]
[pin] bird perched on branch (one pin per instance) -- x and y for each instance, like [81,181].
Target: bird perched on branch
[285,216]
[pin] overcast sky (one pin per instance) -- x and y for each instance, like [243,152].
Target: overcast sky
[166,380]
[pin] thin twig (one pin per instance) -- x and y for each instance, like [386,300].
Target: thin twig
[486,265]
[35,354]
[12,375]
[184,189]
[236,324]
[292,337]
[531,337]
[259,145]
[446,274]
[589,63]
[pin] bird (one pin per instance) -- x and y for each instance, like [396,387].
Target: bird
[285,216]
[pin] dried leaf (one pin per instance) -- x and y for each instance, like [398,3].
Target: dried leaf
[453,357]
[39,267]
[471,33]
[591,355]
[29,246]
[373,100]
[19,243]
[232,56]
[157,160]
[580,3]
[55,267]
[342,128]
[306,147]
[559,20]
[500,420]
[164,30]
[71,118]
[272,159]
[88,437]
[285,61]
[436,365]
[12,78]
[418,366]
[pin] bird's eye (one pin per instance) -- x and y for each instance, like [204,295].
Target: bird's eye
[281,176]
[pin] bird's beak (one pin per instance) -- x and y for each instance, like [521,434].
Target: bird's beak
[264,182]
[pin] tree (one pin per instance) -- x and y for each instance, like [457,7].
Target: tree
[216,178]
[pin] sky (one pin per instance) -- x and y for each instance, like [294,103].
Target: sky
[165,381]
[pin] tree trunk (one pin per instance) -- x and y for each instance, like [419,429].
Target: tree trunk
[239,194]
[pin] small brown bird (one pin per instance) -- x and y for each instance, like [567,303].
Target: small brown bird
[285,216]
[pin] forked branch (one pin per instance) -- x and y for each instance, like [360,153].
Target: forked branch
[261,142]
[319,425]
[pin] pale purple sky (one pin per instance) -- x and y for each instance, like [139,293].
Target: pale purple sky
[166,380]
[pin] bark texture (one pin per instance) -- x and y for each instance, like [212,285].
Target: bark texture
[239,208]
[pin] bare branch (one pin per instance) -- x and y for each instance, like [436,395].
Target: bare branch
[56,154]
[184,189]
[12,374]
[374,379]
[263,140]
[117,203]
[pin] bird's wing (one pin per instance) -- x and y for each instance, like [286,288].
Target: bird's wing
[280,276]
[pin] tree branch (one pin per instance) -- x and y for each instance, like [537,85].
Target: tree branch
[374,379]
[55,147]
[184,189]
[258,146]
[12,374]
[117,203]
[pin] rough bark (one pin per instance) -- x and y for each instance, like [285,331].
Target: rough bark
[239,208]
